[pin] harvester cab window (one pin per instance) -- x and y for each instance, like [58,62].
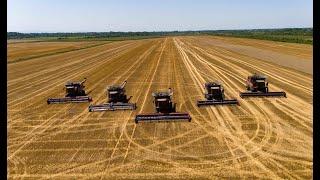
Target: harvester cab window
[69,89]
[162,100]
[113,92]
[215,89]
[260,83]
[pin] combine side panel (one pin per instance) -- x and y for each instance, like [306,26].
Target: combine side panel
[261,94]
[77,99]
[112,107]
[162,117]
[214,102]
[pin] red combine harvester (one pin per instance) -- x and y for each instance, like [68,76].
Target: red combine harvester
[75,93]
[165,109]
[258,87]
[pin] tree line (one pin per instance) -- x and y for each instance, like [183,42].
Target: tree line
[299,35]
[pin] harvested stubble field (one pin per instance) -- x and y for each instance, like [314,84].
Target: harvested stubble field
[25,50]
[267,138]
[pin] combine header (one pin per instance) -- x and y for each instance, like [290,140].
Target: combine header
[165,109]
[75,93]
[117,100]
[215,95]
[258,87]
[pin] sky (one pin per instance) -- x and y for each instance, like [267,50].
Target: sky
[155,15]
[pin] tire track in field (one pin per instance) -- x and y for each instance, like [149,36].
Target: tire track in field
[269,112]
[70,60]
[124,126]
[122,132]
[130,138]
[46,75]
[189,67]
[144,101]
[142,148]
[135,65]
[251,62]
[67,106]
[300,114]
[53,52]
[153,145]
[52,85]
[220,74]
[229,132]
[181,98]
[72,76]
[69,127]
[109,159]
[268,118]
[97,83]
[283,71]
[49,88]
[297,114]
[253,65]
[39,101]
[33,135]
[187,62]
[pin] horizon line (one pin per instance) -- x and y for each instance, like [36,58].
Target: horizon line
[160,31]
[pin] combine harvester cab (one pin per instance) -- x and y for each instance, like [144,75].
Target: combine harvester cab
[215,96]
[75,93]
[258,87]
[165,109]
[117,100]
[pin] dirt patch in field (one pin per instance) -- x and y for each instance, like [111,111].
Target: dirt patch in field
[265,54]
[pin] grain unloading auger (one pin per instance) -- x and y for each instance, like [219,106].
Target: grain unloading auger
[165,109]
[117,100]
[215,95]
[258,87]
[75,93]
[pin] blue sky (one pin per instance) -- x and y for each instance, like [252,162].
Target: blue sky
[155,15]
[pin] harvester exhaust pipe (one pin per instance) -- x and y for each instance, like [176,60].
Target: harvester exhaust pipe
[84,80]
[170,91]
[123,84]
